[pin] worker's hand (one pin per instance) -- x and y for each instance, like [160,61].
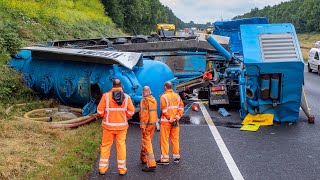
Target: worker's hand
[175,124]
[171,120]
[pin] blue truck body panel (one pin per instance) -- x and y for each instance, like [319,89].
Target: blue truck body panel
[232,29]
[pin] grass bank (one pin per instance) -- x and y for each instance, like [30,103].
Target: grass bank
[30,150]
[26,22]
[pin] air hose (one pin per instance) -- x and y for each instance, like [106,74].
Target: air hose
[28,114]
[8,110]
[72,123]
[86,120]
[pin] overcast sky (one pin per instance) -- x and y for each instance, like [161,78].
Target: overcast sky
[202,11]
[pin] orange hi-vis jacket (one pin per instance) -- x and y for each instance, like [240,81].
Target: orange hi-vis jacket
[148,112]
[115,117]
[171,107]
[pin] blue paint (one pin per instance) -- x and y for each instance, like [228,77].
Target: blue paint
[187,74]
[274,89]
[232,29]
[265,84]
[184,62]
[219,48]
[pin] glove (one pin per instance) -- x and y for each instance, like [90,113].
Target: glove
[174,124]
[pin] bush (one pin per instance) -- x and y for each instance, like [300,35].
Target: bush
[12,89]
[11,41]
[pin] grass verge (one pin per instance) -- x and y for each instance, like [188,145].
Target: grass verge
[30,150]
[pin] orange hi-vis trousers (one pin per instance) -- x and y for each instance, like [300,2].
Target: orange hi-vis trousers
[166,132]
[146,154]
[107,140]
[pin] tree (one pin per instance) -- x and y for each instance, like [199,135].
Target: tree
[304,14]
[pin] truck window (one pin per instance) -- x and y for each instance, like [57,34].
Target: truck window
[316,56]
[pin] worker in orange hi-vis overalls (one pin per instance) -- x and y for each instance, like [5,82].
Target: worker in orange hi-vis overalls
[148,118]
[115,107]
[171,111]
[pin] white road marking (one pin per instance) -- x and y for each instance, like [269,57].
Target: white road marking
[233,168]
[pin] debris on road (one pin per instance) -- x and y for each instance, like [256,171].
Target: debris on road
[224,112]
[195,107]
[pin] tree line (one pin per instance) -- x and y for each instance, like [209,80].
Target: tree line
[304,14]
[141,16]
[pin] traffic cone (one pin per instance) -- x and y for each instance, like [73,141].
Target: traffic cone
[195,107]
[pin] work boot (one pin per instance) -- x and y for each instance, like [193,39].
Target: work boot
[142,162]
[102,173]
[159,162]
[123,174]
[149,169]
[176,160]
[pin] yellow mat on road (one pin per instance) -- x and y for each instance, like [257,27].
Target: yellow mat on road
[253,122]
[259,119]
[250,127]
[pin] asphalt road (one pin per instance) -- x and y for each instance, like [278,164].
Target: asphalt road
[282,151]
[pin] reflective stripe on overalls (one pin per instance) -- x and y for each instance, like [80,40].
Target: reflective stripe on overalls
[108,109]
[164,119]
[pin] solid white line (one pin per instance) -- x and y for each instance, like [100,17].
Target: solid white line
[233,168]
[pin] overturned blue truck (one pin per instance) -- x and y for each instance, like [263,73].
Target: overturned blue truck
[255,65]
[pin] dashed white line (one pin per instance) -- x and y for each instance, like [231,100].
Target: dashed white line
[233,168]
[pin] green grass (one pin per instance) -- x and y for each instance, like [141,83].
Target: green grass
[75,161]
[306,42]
[30,150]
[26,22]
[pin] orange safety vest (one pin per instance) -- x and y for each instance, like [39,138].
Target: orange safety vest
[148,111]
[172,107]
[115,117]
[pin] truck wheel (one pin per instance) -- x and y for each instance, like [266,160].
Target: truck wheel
[309,69]
[319,70]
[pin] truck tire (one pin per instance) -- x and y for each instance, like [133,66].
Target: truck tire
[319,70]
[309,69]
